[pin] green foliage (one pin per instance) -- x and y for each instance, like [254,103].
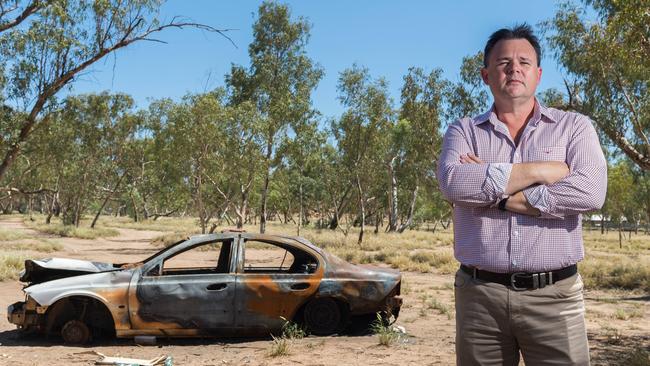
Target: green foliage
[386,334]
[608,60]
[279,82]
[291,330]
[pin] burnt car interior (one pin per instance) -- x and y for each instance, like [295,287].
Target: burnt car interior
[277,258]
[203,258]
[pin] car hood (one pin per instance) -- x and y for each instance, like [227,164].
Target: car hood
[43,270]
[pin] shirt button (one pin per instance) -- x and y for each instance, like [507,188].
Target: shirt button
[514,262]
[515,233]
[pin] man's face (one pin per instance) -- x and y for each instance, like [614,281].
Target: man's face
[512,72]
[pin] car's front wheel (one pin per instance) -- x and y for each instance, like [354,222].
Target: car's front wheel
[76,332]
[323,316]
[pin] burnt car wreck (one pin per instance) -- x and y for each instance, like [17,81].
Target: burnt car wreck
[207,285]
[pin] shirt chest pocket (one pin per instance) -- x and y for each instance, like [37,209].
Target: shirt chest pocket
[551,153]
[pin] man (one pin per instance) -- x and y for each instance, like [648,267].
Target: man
[519,176]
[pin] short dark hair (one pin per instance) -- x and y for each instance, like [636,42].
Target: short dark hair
[519,31]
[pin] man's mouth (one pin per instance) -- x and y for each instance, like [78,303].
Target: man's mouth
[515,81]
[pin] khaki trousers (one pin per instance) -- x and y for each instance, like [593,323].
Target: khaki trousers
[495,323]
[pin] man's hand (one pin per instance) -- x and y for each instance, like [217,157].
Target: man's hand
[518,203]
[470,158]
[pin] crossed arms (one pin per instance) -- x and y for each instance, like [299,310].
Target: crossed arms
[547,189]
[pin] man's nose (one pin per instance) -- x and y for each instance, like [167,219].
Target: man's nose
[513,68]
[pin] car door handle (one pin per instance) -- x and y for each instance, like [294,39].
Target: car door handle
[216,286]
[300,286]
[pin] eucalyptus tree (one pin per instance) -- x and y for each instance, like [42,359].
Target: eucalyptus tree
[241,157]
[279,81]
[468,96]
[368,116]
[302,160]
[414,141]
[164,187]
[621,203]
[80,154]
[191,133]
[608,62]
[46,44]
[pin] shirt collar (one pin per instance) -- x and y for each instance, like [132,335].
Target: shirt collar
[539,111]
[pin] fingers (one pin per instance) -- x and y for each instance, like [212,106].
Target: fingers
[470,158]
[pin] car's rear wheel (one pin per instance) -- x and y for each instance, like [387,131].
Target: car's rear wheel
[323,316]
[76,332]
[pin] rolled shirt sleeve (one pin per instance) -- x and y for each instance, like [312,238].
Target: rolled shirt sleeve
[584,188]
[469,184]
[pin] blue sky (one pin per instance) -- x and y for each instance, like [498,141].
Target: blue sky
[385,36]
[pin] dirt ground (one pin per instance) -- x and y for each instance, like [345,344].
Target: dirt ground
[429,339]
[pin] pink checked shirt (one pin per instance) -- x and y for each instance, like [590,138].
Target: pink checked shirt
[502,241]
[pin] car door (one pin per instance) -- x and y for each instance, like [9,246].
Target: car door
[192,290]
[273,280]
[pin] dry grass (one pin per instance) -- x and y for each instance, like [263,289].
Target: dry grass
[57,228]
[165,240]
[10,265]
[11,235]
[279,347]
[606,265]
[164,224]
[42,246]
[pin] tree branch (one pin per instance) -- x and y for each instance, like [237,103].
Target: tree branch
[29,10]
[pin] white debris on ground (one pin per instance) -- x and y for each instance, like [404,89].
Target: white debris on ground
[121,361]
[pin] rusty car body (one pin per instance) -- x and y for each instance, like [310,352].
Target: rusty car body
[222,293]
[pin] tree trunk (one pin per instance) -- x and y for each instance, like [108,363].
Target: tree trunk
[362,208]
[265,189]
[300,213]
[377,222]
[108,197]
[620,235]
[135,207]
[338,208]
[409,220]
[243,207]
[392,197]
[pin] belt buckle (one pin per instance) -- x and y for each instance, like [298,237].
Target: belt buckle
[513,280]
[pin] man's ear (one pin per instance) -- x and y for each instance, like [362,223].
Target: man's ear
[539,74]
[484,75]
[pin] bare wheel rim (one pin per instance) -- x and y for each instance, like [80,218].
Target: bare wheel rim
[322,316]
[75,332]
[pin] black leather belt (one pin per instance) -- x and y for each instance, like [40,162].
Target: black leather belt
[522,280]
